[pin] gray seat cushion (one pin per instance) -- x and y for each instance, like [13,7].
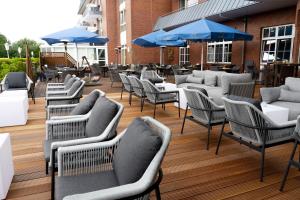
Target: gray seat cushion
[166,97]
[69,185]
[294,108]
[86,104]
[70,83]
[102,113]
[16,80]
[135,152]
[76,85]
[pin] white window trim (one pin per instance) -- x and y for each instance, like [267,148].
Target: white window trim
[185,54]
[223,53]
[276,37]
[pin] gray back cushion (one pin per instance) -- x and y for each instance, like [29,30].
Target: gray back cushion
[75,86]
[192,79]
[228,78]
[254,102]
[272,94]
[102,114]
[198,73]
[290,96]
[86,104]
[16,80]
[293,83]
[135,152]
[67,78]
[70,83]
[210,80]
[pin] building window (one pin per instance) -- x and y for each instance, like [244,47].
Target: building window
[184,55]
[187,3]
[122,20]
[277,43]
[219,52]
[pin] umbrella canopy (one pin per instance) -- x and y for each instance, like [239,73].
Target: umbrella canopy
[154,40]
[206,31]
[75,35]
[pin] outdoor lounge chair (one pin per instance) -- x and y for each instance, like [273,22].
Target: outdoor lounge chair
[114,76]
[152,76]
[126,86]
[291,161]
[251,127]
[156,96]
[204,111]
[18,81]
[138,89]
[69,96]
[73,110]
[110,170]
[61,86]
[91,127]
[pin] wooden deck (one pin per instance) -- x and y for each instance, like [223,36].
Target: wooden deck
[190,171]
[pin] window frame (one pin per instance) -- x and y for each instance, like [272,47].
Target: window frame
[214,44]
[184,52]
[276,38]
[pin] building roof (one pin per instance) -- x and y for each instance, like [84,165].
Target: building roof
[219,10]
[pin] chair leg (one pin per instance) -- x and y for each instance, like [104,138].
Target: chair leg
[288,167]
[262,164]
[185,113]
[130,97]
[179,108]
[208,136]
[122,93]
[143,102]
[53,173]
[154,110]
[220,137]
[157,192]
[47,167]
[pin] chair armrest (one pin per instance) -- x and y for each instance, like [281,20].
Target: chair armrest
[66,128]
[179,79]
[57,88]
[55,85]
[55,93]
[169,91]
[283,125]
[65,117]
[59,110]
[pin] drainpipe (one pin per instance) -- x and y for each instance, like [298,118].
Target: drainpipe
[245,20]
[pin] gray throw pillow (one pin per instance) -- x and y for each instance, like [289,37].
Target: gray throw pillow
[135,152]
[254,102]
[70,83]
[67,78]
[210,80]
[290,96]
[86,104]
[293,83]
[192,79]
[76,85]
[16,80]
[102,113]
[202,90]
[270,95]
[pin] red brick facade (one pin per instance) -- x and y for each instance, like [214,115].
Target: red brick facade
[141,16]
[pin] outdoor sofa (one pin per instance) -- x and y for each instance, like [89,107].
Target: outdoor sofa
[287,96]
[217,83]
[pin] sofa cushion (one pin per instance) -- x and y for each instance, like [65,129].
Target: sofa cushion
[219,75]
[254,102]
[293,83]
[210,80]
[67,78]
[192,79]
[294,108]
[86,104]
[215,94]
[228,78]
[70,185]
[75,86]
[198,73]
[70,83]
[202,90]
[288,95]
[271,94]
[135,152]
[102,114]
[16,80]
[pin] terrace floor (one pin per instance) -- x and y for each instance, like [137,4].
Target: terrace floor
[190,171]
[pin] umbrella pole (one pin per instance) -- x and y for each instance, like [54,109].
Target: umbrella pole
[66,62]
[77,60]
[202,56]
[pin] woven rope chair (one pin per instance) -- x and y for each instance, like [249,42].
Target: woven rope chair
[242,89]
[204,111]
[62,97]
[114,76]
[65,110]
[98,157]
[249,126]
[58,86]
[126,86]
[156,96]
[291,161]
[152,76]
[138,89]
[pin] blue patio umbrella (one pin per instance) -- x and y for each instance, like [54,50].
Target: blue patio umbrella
[206,31]
[154,40]
[75,35]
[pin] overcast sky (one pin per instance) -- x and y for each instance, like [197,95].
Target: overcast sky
[36,18]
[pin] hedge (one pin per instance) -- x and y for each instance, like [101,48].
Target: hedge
[15,65]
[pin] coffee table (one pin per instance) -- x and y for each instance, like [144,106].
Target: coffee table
[171,86]
[6,164]
[275,113]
